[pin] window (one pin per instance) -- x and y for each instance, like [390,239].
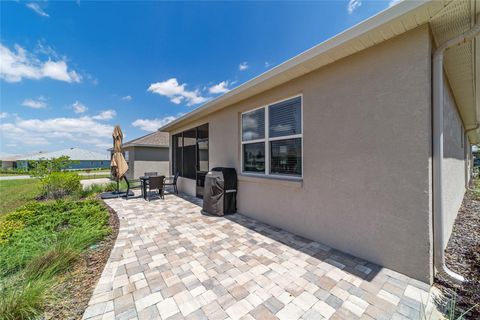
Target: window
[272,139]
[254,157]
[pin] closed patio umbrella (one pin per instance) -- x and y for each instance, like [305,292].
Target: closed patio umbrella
[118,165]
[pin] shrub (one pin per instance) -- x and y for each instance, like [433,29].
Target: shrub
[57,185]
[22,214]
[8,227]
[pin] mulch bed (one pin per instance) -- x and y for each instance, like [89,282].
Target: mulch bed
[76,287]
[463,257]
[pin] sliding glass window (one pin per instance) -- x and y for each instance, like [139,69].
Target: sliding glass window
[272,139]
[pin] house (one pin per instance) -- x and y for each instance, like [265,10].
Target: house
[82,159]
[361,143]
[9,162]
[147,154]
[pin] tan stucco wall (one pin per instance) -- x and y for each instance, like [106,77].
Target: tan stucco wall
[454,165]
[366,187]
[144,159]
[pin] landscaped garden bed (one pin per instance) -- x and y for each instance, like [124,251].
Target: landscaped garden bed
[463,257]
[47,247]
[76,287]
[55,239]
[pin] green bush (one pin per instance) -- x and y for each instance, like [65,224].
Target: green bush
[14,171]
[7,228]
[57,185]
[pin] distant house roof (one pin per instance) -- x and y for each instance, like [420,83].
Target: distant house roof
[74,154]
[9,157]
[154,139]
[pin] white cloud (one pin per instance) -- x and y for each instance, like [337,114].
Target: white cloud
[222,87]
[38,10]
[79,107]
[18,65]
[353,5]
[152,125]
[39,103]
[3,115]
[56,131]
[393,2]
[176,92]
[243,66]
[105,115]
[127,98]
[59,71]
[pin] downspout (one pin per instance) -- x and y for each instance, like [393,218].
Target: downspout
[438,210]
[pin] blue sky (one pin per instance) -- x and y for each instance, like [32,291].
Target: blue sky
[70,71]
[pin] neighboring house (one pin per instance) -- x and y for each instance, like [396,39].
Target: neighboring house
[147,154]
[9,162]
[336,143]
[82,159]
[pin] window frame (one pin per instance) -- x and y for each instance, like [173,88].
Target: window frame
[266,140]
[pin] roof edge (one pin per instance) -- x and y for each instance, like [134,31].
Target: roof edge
[341,38]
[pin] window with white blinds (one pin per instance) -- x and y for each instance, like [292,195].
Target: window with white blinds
[272,139]
[285,118]
[253,125]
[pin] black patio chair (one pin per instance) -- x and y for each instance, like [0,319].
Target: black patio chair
[149,174]
[173,182]
[156,183]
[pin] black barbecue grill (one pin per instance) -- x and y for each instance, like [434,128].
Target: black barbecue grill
[220,193]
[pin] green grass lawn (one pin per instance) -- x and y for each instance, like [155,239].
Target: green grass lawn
[15,193]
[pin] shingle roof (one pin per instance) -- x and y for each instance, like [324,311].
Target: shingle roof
[154,139]
[73,153]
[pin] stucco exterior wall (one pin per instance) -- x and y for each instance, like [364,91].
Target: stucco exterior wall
[454,163]
[366,135]
[145,159]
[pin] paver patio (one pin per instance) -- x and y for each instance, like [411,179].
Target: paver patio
[172,262]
